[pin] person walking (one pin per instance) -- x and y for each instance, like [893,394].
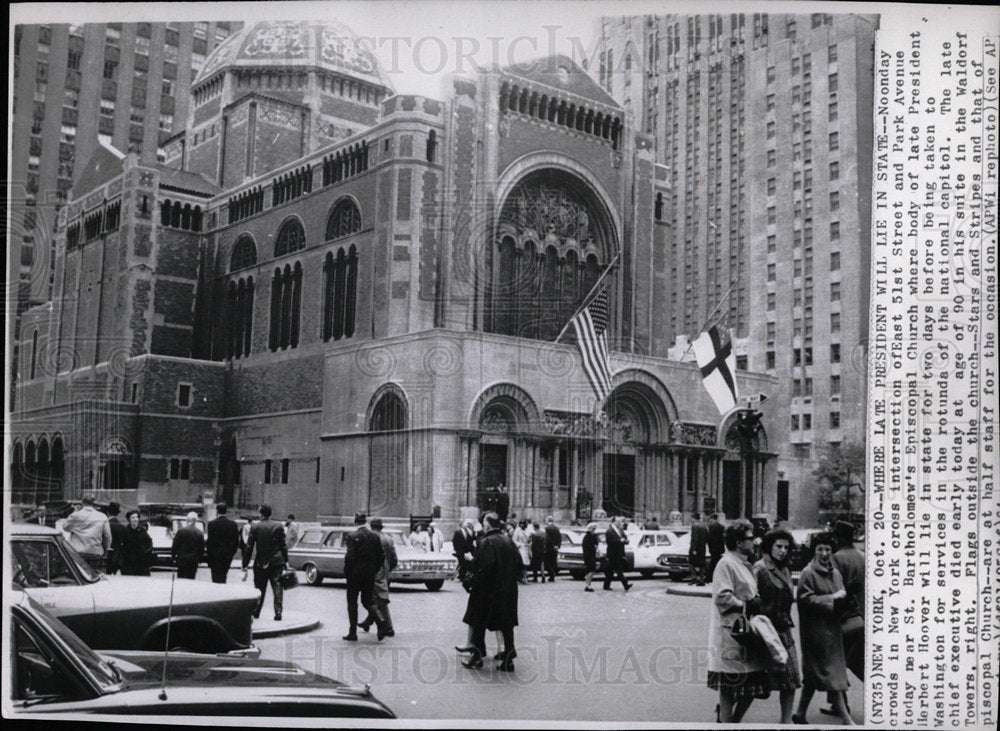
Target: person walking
[590,542]
[363,560]
[463,545]
[553,540]
[492,604]
[822,598]
[135,555]
[850,562]
[117,532]
[90,534]
[266,546]
[652,524]
[187,548]
[716,543]
[291,531]
[614,560]
[379,610]
[222,544]
[696,553]
[738,675]
[538,541]
[522,540]
[774,585]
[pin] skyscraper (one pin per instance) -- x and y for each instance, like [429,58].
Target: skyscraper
[763,123]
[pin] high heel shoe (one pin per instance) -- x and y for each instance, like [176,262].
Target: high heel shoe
[473,663]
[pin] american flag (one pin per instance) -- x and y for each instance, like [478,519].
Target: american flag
[591,325]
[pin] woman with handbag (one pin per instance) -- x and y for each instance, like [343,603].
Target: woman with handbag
[135,554]
[736,671]
[774,582]
[822,598]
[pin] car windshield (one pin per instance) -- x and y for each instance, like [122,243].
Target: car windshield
[89,575]
[106,675]
[41,563]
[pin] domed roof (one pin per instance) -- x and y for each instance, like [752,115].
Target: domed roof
[295,44]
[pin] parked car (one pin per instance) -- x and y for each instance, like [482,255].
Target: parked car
[53,671]
[129,612]
[320,552]
[571,553]
[659,551]
[162,531]
[674,558]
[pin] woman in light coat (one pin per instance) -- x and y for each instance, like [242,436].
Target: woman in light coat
[822,599]
[522,539]
[738,675]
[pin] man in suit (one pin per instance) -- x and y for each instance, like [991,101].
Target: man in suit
[378,612]
[117,536]
[553,539]
[362,562]
[223,542]
[41,515]
[266,543]
[538,542]
[716,543]
[696,553]
[187,548]
[615,558]
[463,544]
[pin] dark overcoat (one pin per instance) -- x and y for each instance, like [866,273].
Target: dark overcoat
[495,570]
[590,541]
[136,552]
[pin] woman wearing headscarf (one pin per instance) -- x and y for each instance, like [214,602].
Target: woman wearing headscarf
[590,541]
[136,551]
[737,674]
[821,598]
[774,584]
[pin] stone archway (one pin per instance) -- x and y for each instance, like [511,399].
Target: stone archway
[745,443]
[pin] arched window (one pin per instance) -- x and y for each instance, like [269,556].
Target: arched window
[244,253]
[345,219]
[340,281]
[286,301]
[290,238]
[388,454]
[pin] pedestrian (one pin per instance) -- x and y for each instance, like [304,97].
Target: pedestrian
[419,538]
[553,539]
[737,674]
[379,610]
[774,586]
[522,539]
[614,560]
[136,552]
[291,531]
[492,604]
[696,553]
[538,541]
[362,561]
[822,599]
[434,539]
[117,531]
[40,516]
[716,543]
[652,524]
[266,546]
[850,562]
[463,545]
[90,534]
[222,544]
[187,548]
[590,542]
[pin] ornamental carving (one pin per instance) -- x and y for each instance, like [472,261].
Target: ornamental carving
[494,422]
[276,40]
[547,209]
[570,424]
[280,117]
[239,116]
[697,435]
[338,46]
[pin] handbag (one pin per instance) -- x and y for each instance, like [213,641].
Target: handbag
[742,631]
[288,579]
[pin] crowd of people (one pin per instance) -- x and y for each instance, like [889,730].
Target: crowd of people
[830,599]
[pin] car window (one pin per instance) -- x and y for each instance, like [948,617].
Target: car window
[311,536]
[662,540]
[105,675]
[398,539]
[37,564]
[333,540]
[35,678]
[646,541]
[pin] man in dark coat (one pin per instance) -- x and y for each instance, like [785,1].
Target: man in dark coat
[187,548]
[363,560]
[266,545]
[117,536]
[716,543]
[222,544]
[615,557]
[850,562]
[493,597]
[538,542]
[463,544]
[553,539]
[696,553]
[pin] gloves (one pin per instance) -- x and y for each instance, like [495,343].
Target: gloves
[752,606]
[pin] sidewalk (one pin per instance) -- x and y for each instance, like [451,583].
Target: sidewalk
[682,588]
[291,622]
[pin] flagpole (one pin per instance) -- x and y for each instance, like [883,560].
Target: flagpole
[709,318]
[587,299]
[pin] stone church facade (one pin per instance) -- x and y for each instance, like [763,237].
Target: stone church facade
[334,298]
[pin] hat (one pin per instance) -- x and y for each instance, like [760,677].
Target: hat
[360,518]
[843,529]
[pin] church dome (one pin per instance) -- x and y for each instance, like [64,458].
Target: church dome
[293,44]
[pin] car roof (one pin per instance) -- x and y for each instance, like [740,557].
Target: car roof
[32,529]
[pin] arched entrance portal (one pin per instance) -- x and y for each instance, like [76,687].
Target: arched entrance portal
[743,465]
[388,453]
[115,471]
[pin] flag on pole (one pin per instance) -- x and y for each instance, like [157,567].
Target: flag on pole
[591,325]
[718,366]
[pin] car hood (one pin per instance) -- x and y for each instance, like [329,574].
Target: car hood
[145,670]
[143,589]
[415,554]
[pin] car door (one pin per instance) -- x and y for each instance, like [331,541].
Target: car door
[644,551]
[335,548]
[49,577]
[308,549]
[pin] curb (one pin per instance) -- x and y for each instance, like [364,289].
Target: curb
[292,622]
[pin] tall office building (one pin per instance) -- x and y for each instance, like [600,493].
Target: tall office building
[763,123]
[126,84]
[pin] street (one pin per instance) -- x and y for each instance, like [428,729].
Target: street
[602,657]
